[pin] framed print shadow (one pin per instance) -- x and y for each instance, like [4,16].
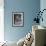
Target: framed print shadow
[17,19]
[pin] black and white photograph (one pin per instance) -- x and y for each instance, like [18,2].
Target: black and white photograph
[18,18]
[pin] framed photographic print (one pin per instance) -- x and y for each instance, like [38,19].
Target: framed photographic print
[18,19]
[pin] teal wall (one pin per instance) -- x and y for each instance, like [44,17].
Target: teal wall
[29,7]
